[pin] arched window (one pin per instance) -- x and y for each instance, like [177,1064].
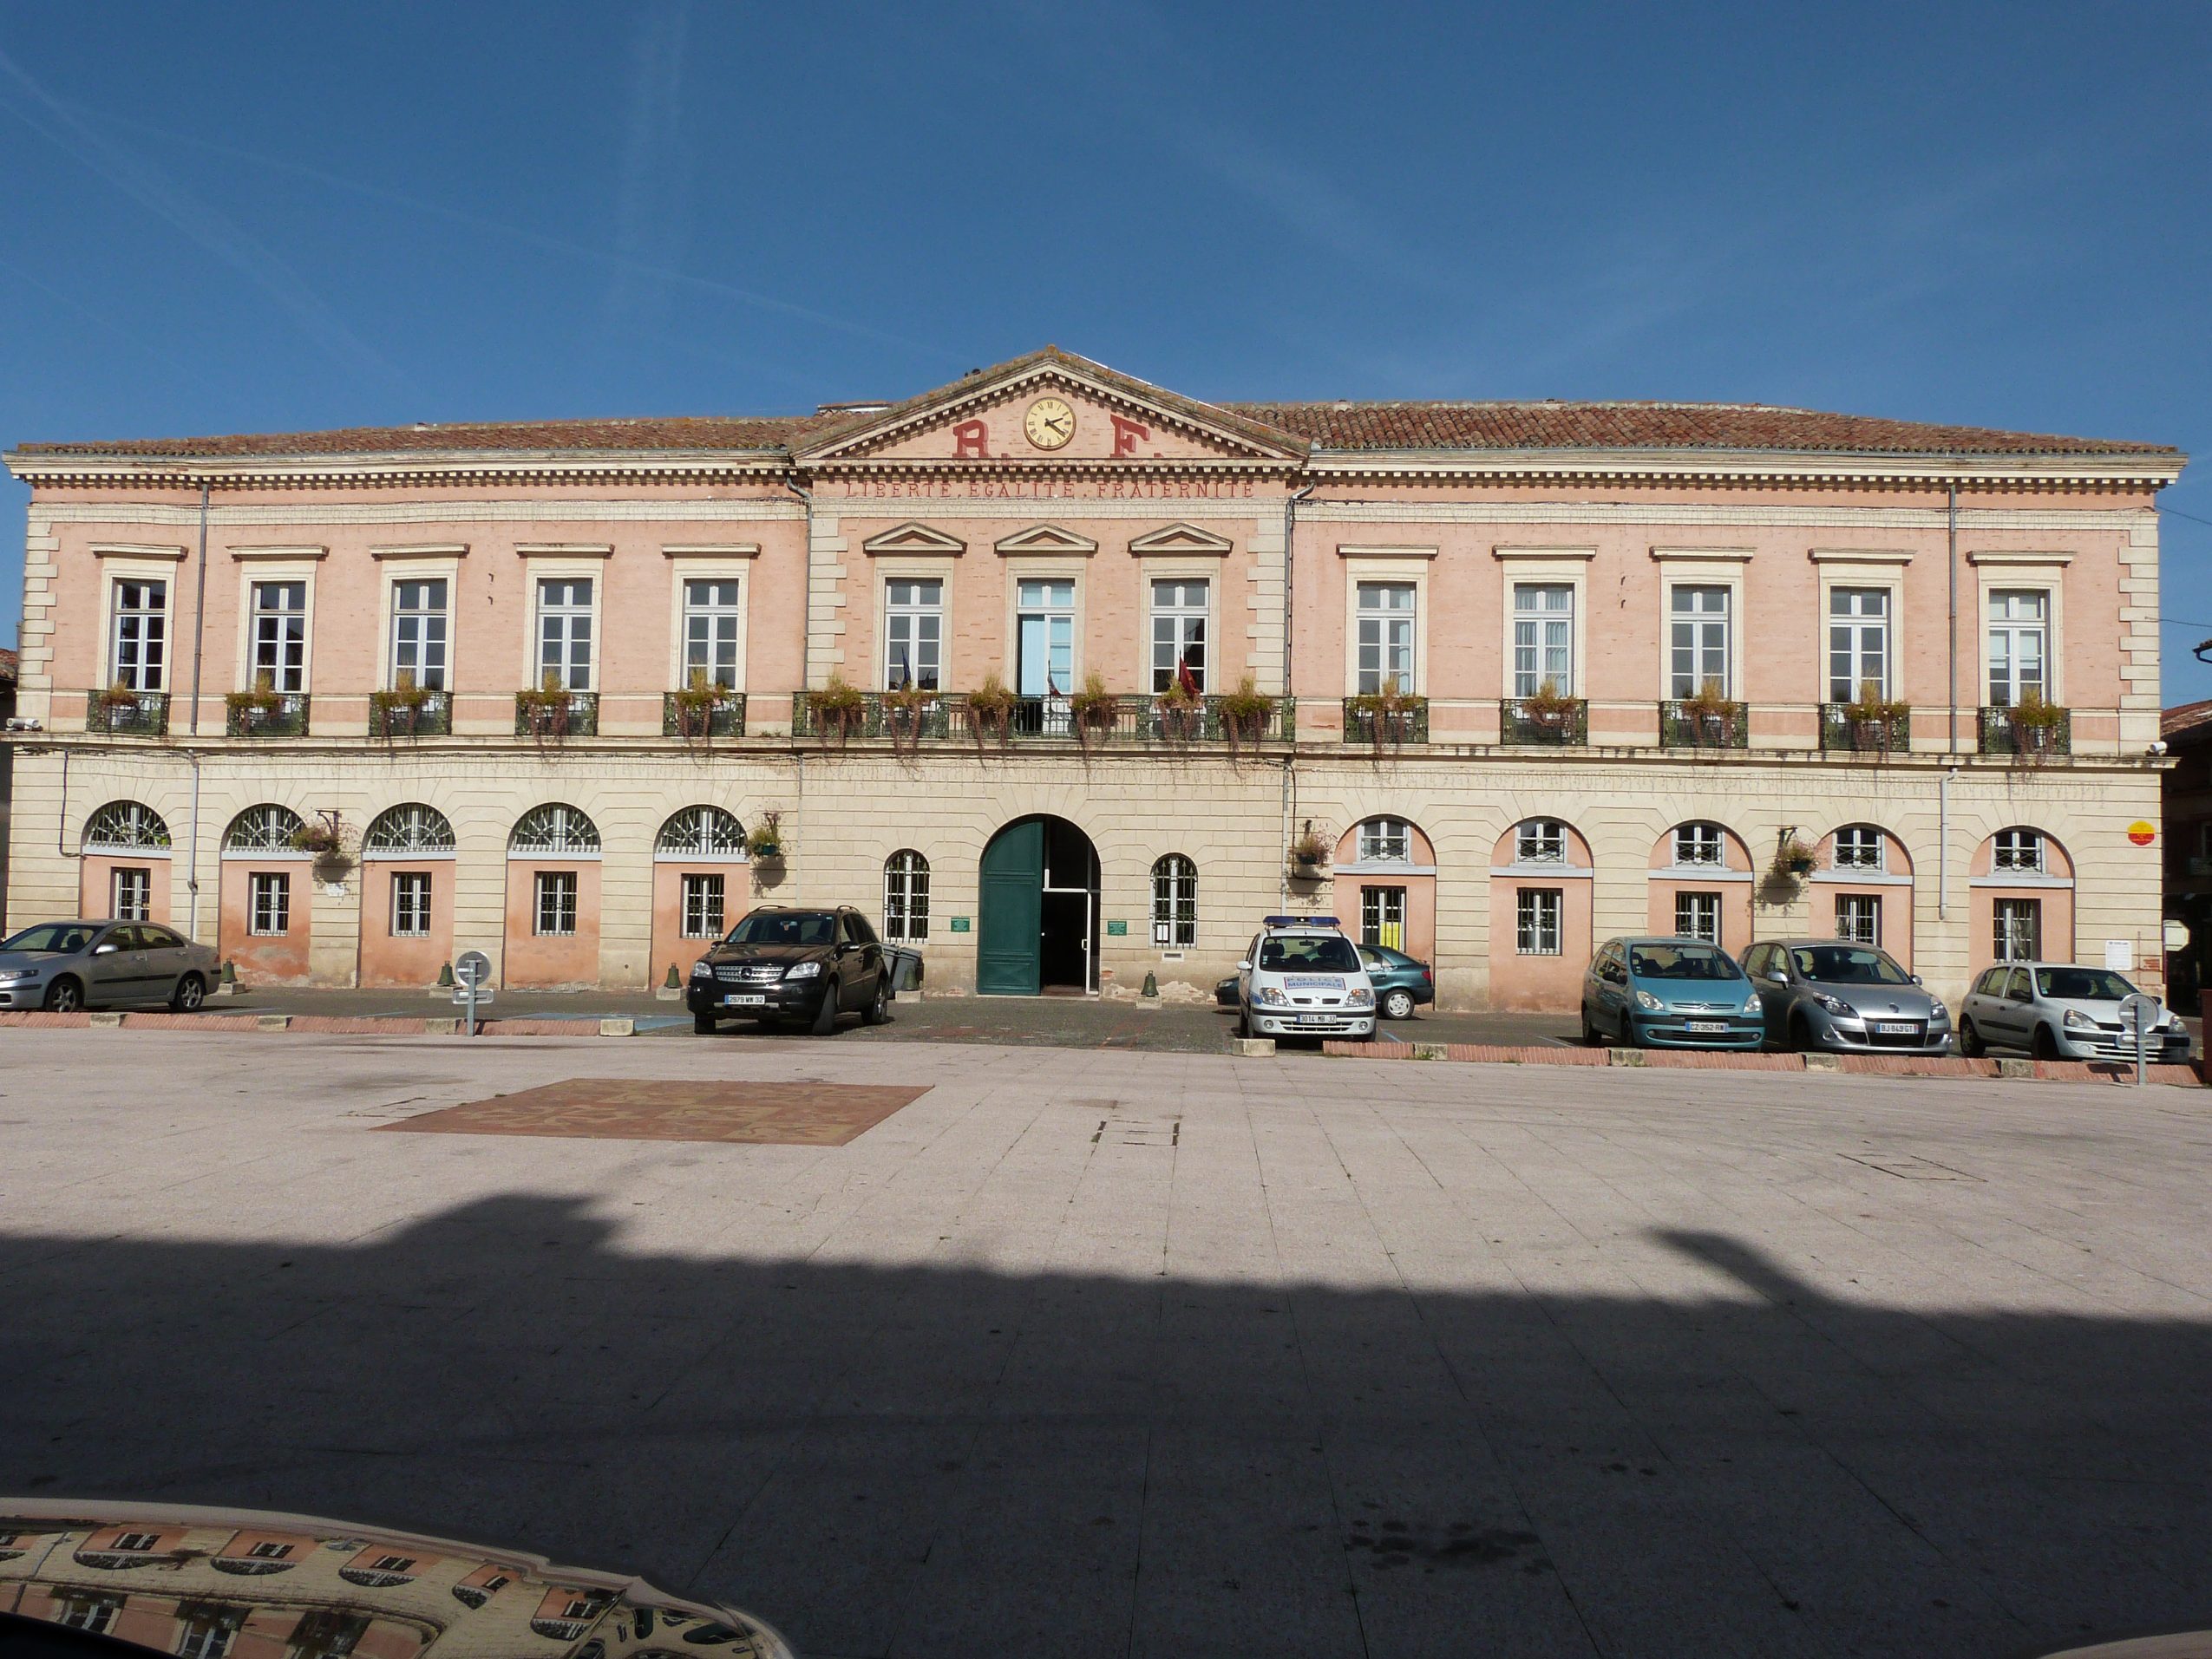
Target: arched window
[1174,901]
[906,898]
[125,826]
[702,833]
[1701,844]
[1385,840]
[2016,850]
[1860,846]
[554,828]
[265,828]
[409,831]
[1539,841]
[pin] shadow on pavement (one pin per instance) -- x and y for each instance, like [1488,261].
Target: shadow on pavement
[943,1460]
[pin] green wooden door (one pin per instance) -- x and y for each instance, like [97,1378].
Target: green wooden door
[1009,943]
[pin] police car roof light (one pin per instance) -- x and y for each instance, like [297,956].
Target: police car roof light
[1299,921]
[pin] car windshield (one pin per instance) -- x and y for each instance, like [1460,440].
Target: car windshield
[1680,962]
[1309,952]
[784,927]
[1848,964]
[64,937]
[2088,984]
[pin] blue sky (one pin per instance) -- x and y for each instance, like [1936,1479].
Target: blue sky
[254,218]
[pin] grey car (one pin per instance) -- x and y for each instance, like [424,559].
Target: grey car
[67,965]
[2061,1010]
[1850,998]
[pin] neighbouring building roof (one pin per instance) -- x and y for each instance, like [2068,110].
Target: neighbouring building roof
[8,666]
[2187,719]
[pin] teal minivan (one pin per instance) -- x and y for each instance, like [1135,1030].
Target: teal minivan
[1669,993]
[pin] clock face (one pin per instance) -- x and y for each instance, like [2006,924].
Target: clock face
[1049,423]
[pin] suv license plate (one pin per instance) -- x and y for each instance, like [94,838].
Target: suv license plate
[745,999]
[1708,1025]
[1895,1028]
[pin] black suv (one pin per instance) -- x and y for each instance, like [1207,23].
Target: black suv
[796,965]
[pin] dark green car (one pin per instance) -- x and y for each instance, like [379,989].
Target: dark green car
[1402,982]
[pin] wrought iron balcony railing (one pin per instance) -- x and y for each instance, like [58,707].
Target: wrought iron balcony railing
[560,714]
[1686,723]
[1121,720]
[1526,721]
[267,714]
[684,714]
[2004,733]
[1369,718]
[126,714]
[1840,733]
[422,713]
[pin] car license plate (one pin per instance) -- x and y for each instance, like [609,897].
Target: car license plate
[1895,1028]
[1317,1019]
[1708,1025]
[745,999]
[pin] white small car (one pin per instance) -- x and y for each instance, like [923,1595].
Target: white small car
[1302,978]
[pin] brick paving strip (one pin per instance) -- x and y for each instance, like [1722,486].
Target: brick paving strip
[627,1108]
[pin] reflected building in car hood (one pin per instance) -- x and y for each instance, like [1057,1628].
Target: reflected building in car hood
[208,1583]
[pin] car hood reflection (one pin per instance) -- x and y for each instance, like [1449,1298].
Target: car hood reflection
[213,1584]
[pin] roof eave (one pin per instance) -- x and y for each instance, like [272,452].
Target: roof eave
[2138,469]
[47,465]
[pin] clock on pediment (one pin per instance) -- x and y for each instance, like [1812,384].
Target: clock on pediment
[1049,423]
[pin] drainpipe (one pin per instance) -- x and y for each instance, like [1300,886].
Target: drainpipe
[62,817]
[1943,844]
[806,599]
[1952,628]
[200,609]
[192,868]
[1290,756]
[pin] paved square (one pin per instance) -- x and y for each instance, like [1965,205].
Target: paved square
[629,1108]
[1151,1354]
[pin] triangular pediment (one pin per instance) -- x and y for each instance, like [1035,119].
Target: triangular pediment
[914,539]
[1047,538]
[992,416]
[1181,538]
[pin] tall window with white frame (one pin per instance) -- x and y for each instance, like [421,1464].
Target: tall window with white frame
[1858,918]
[1382,917]
[906,898]
[1537,930]
[1700,623]
[138,647]
[702,906]
[421,625]
[1044,642]
[2020,639]
[1697,916]
[913,633]
[132,888]
[2017,927]
[712,633]
[1179,612]
[556,905]
[280,637]
[1543,638]
[1175,902]
[268,903]
[564,632]
[1384,645]
[411,904]
[1858,643]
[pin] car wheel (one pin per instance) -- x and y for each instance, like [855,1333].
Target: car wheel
[879,1009]
[825,1016]
[1801,1035]
[702,1024]
[2046,1046]
[1590,1037]
[1970,1042]
[64,996]
[1398,1005]
[1244,1021]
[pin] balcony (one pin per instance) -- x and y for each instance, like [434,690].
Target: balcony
[266,714]
[684,714]
[1841,734]
[126,714]
[374,1578]
[556,713]
[1124,721]
[1690,723]
[1533,722]
[419,713]
[2002,733]
[1370,719]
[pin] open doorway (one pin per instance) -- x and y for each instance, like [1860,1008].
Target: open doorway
[1039,932]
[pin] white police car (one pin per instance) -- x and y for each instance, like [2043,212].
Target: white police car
[1302,978]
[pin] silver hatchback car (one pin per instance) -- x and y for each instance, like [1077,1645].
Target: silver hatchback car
[2061,1010]
[1852,999]
[68,965]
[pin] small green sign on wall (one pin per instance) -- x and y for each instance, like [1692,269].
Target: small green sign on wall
[1117,930]
[959,924]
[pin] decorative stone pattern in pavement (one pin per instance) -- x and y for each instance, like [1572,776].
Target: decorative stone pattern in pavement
[621,1108]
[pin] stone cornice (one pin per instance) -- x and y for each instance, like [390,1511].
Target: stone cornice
[1719,467]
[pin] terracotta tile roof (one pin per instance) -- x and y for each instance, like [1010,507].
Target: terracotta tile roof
[1346,426]
[2185,717]
[8,661]
[681,432]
